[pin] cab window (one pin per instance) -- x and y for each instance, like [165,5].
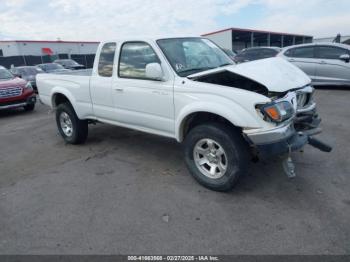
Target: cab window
[105,63]
[134,57]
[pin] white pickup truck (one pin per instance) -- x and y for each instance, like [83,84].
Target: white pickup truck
[188,89]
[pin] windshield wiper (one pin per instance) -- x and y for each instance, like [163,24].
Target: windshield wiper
[195,69]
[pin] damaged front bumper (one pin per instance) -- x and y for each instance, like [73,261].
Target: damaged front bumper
[290,136]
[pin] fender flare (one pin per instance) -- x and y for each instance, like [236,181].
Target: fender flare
[235,114]
[61,91]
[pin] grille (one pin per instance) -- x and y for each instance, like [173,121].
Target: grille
[303,99]
[10,92]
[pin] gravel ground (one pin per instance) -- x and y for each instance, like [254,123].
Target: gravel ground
[126,192]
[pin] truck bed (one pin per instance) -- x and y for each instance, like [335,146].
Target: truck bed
[75,85]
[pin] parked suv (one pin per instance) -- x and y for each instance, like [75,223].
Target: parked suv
[15,92]
[326,64]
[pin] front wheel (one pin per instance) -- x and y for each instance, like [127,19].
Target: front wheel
[216,155]
[72,129]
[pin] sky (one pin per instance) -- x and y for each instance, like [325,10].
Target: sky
[96,20]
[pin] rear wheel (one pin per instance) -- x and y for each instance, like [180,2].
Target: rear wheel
[216,155]
[72,129]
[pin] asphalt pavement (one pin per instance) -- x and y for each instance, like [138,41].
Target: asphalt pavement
[127,192]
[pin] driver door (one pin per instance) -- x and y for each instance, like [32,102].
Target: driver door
[142,103]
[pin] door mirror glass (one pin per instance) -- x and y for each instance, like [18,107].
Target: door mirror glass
[345,58]
[154,71]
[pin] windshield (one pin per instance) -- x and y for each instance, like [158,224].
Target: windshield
[5,74]
[192,55]
[27,71]
[67,62]
[52,66]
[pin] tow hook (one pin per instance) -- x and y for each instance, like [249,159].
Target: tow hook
[287,162]
[319,144]
[288,165]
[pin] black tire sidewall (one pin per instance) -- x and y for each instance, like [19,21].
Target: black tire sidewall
[75,137]
[235,149]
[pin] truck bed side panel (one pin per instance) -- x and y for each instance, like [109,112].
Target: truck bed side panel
[76,87]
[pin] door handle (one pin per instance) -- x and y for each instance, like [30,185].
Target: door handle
[118,89]
[292,60]
[323,62]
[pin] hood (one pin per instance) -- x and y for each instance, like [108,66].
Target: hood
[12,82]
[276,74]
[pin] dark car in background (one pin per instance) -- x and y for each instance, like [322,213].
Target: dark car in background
[256,53]
[69,64]
[15,92]
[52,68]
[27,73]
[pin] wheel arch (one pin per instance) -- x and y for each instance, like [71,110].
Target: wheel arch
[60,96]
[233,115]
[200,117]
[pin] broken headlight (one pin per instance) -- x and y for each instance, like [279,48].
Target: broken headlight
[277,111]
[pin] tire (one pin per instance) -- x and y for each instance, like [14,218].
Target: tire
[72,129]
[29,107]
[229,158]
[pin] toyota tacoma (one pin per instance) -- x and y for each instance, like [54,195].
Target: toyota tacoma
[188,89]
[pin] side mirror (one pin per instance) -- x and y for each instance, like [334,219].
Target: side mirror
[345,58]
[154,71]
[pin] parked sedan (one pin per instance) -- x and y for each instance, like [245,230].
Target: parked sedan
[326,64]
[69,64]
[51,68]
[28,73]
[256,53]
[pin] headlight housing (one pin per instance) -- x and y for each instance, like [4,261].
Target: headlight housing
[28,85]
[277,111]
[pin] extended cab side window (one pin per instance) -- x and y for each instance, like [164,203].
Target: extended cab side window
[134,56]
[105,63]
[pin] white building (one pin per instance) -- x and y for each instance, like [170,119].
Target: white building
[343,39]
[237,38]
[42,48]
